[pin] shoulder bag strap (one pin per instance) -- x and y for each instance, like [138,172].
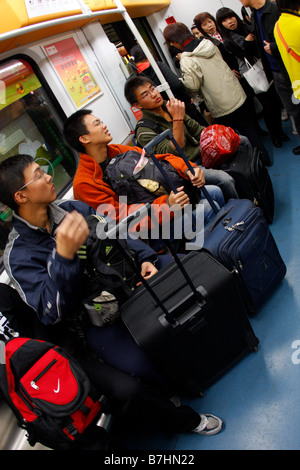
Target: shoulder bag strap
[288,49]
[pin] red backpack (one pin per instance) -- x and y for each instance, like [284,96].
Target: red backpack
[48,391]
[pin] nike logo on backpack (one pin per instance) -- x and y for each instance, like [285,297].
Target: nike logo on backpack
[58,387]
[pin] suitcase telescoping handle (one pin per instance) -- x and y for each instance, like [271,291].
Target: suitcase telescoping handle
[122,229]
[149,149]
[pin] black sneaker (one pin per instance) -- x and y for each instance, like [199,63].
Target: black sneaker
[296,150]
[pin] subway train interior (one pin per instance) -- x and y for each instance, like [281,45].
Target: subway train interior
[57,57]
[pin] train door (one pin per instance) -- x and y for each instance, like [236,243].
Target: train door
[123,38]
[120,34]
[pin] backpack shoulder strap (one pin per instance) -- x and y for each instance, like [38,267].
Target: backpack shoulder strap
[288,49]
[148,123]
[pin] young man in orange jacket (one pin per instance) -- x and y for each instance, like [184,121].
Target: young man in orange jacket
[91,138]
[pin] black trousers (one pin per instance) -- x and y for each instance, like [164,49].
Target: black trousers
[271,107]
[242,121]
[136,400]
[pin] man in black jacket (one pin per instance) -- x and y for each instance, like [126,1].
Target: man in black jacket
[264,17]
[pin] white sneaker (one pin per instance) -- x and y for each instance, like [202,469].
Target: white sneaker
[209,425]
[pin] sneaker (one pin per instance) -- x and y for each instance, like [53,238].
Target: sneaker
[209,425]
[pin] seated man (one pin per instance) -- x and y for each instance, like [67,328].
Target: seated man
[141,93]
[89,136]
[41,254]
[42,263]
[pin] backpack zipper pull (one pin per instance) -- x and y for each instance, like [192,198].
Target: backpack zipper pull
[34,385]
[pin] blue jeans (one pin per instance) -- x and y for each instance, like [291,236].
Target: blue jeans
[221,179]
[217,196]
[189,221]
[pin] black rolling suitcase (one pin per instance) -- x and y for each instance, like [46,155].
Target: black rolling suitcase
[194,335]
[239,237]
[252,179]
[189,318]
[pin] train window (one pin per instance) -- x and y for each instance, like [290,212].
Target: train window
[30,123]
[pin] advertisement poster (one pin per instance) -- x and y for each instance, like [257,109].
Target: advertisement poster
[72,69]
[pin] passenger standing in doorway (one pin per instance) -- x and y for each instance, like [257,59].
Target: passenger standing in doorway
[210,29]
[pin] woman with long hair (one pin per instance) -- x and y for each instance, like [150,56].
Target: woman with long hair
[237,36]
[207,25]
[209,28]
[239,40]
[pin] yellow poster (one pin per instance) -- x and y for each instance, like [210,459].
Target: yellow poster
[70,65]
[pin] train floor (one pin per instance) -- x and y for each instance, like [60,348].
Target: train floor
[258,399]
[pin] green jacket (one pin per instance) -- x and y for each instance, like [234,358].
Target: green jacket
[192,131]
